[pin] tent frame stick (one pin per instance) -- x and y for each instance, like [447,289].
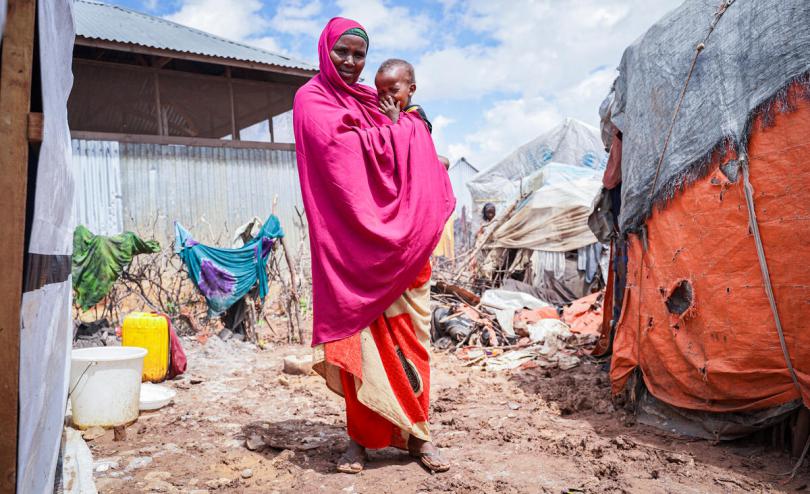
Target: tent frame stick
[15,104]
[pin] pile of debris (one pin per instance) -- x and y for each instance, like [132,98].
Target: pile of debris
[505,329]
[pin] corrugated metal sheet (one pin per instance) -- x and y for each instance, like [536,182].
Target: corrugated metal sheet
[102,21]
[97,201]
[210,190]
[460,173]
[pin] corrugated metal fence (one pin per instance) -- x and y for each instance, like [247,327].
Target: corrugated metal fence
[210,190]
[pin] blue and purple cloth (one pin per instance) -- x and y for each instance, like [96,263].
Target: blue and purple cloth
[224,275]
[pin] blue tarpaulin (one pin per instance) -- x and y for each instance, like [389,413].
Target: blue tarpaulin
[225,275]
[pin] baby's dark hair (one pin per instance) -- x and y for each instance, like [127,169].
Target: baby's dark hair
[398,62]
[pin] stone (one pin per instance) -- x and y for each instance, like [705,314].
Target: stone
[93,433]
[158,475]
[160,486]
[105,464]
[218,483]
[255,443]
[247,473]
[299,366]
[139,462]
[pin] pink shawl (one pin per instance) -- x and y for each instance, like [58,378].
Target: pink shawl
[375,193]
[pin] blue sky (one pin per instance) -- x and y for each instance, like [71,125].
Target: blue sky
[491,74]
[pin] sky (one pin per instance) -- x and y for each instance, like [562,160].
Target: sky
[491,75]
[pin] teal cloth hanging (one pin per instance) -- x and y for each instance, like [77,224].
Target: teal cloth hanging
[224,275]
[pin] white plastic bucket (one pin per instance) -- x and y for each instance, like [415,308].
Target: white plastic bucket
[105,385]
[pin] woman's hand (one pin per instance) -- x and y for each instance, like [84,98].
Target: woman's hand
[390,108]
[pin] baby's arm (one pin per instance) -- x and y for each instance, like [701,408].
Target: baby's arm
[390,108]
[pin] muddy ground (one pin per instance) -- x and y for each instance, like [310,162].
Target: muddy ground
[506,432]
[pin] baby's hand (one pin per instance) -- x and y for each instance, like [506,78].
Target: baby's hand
[390,108]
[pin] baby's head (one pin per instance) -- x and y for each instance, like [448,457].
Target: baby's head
[396,78]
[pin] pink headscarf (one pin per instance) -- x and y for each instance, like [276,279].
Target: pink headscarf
[375,193]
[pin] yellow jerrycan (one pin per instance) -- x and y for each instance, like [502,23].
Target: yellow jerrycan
[149,331]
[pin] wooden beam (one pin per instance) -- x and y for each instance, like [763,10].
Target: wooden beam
[184,141]
[36,124]
[227,62]
[160,62]
[191,76]
[142,61]
[234,127]
[270,126]
[15,103]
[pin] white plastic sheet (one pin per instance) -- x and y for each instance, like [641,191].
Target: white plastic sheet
[572,143]
[555,217]
[504,304]
[45,341]
[46,328]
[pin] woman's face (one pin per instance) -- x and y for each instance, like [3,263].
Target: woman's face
[349,57]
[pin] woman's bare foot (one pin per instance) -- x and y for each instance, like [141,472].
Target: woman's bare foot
[353,460]
[428,454]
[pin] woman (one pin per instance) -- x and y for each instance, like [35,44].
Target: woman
[376,198]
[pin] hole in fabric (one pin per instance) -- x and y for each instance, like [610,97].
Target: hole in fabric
[731,170]
[680,299]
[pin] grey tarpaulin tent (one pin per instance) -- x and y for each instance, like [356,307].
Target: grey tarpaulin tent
[752,56]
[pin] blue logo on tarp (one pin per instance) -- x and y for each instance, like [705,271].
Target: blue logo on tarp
[590,160]
[547,154]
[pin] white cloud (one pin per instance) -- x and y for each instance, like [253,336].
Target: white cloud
[507,125]
[553,59]
[298,17]
[231,19]
[389,27]
[268,43]
[150,5]
[440,124]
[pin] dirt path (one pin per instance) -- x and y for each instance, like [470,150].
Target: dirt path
[525,431]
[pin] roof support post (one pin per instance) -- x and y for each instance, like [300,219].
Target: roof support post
[159,109]
[234,127]
[15,104]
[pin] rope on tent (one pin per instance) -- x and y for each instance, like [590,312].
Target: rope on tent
[724,5]
[763,266]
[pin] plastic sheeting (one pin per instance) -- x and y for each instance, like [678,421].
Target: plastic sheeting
[698,323]
[757,49]
[572,143]
[46,327]
[555,217]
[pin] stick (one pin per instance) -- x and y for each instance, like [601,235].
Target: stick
[486,238]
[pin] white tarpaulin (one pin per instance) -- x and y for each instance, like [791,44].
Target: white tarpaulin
[555,217]
[45,326]
[572,143]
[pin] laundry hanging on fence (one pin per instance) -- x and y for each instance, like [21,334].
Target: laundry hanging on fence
[98,261]
[226,275]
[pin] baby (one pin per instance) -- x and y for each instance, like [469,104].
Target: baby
[396,83]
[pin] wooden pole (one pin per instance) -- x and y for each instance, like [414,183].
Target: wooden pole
[272,130]
[234,128]
[15,104]
[158,107]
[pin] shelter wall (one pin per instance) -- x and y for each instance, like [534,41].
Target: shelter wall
[723,353]
[210,190]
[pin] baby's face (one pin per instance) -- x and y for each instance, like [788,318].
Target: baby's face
[395,83]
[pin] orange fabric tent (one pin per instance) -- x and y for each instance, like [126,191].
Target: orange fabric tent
[715,347]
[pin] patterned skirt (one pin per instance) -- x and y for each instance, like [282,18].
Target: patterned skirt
[383,372]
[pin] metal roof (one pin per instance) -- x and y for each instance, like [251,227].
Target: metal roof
[101,21]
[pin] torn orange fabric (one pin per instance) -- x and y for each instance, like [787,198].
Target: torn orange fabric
[722,353]
[584,316]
